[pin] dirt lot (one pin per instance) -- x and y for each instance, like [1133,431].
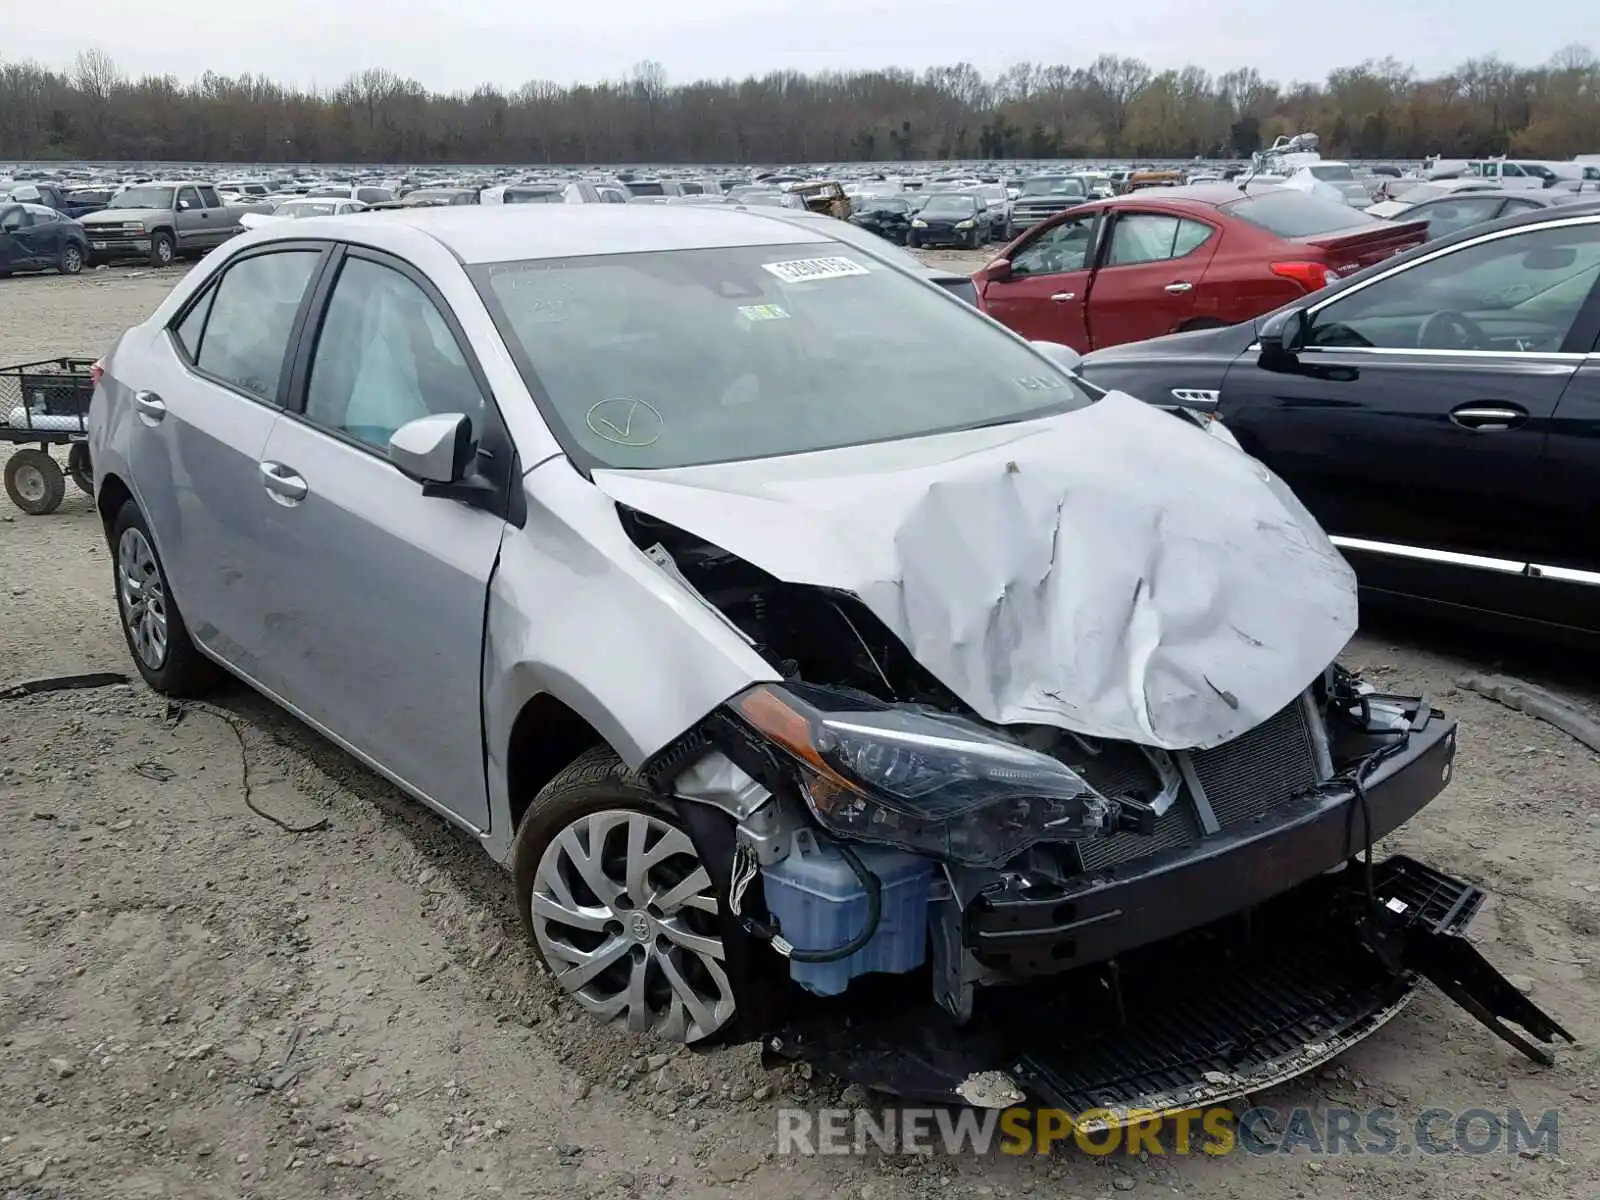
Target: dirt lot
[194,1003]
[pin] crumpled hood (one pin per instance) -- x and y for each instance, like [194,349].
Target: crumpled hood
[1112,571]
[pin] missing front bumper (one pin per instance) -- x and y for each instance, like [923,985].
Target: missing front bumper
[1197,1020]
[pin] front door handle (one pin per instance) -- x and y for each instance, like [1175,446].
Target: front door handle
[1182,286]
[1489,416]
[151,406]
[1063,297]
[282,484]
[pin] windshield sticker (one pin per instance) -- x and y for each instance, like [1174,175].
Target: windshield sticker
[763,312]
[804,270]
[1041,383]
[626,422]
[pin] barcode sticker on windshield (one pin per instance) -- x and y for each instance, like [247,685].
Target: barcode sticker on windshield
[804,270]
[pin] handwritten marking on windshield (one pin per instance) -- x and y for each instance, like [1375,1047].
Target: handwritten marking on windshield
[626,422]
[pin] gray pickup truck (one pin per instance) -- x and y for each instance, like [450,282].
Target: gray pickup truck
[160,221]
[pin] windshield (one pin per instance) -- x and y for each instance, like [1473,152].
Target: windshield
[696,356]
[1336,173]
[1054,186]
[143,197]
[533,196]
[645,187]
[884,206]
[947,204]
[1290,214]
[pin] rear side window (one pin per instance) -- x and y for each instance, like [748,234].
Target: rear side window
[209,195]
[190,329]
[1289,214]
[246,335]
[1149,237]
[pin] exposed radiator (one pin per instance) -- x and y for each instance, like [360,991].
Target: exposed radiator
[1252,774]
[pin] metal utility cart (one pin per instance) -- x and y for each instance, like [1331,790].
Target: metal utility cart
[44,404]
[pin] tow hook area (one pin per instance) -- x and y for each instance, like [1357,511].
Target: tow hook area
[1196,1020]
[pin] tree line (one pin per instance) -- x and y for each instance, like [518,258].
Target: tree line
[1113,108]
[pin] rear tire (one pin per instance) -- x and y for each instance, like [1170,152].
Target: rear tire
[654,961]
[34,482]
[80,467]
[151,623]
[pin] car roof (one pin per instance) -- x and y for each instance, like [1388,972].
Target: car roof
[507,233]
[1212,195]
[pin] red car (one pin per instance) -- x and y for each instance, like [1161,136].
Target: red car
[1161,261]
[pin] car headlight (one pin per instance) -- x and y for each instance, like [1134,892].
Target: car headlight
[925,782]
[965,224]
[918,223]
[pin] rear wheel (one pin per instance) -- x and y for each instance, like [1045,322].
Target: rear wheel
[155,631]
[619,905]
[34,482]
[80,468]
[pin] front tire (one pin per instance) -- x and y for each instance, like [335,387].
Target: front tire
[71,261]
[151,623]
[162,251]
[619,906]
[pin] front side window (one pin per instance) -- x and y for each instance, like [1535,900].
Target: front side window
[1063,247]
[697,356]
[188,198]
[385,357]
[246,336]
[1518,293]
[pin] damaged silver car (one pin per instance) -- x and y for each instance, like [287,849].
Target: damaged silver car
[807,645]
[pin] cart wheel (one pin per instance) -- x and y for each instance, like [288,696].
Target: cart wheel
[34,482]
[80,468]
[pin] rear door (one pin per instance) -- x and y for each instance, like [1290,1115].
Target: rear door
[1413,424]
[1149,275]
[1045,296]
[378,591]
[211,391]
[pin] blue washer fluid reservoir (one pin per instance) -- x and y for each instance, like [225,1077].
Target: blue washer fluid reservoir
[819,904]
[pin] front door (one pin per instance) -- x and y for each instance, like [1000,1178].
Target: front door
[1043,299]
[1414,422]
[1149,276]
[189,216]
[378,593]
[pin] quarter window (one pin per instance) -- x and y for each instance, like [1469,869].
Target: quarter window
[384,357]
[1521,293]
[246,336]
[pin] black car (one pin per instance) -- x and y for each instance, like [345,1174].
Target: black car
[950,219]
[1438,413]
[889,217]
[36,238]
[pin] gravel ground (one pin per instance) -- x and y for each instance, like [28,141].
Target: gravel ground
[196,1004]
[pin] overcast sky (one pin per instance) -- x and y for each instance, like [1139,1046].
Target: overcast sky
[449,44]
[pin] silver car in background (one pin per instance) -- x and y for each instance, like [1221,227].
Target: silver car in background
[749,597]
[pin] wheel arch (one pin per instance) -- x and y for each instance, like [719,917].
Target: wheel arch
[547,735]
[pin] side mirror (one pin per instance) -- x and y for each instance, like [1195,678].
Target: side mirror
[436,449]
[996,272]
[1064,357]
[1283,335]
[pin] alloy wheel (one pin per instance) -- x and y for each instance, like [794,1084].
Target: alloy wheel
[627,918]
[143,598]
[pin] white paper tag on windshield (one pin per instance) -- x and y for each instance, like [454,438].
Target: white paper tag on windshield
[804,270]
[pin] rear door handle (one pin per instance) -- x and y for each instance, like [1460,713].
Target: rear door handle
[1489,416]
[1177,289]
[151,406]
[282,483]
[1063,297]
